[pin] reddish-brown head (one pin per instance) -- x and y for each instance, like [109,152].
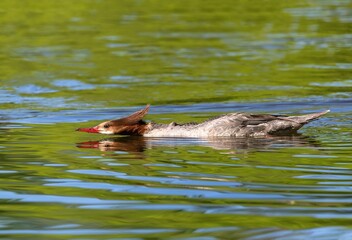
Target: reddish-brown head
[131,125]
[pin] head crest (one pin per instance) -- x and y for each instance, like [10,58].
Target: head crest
[134,118]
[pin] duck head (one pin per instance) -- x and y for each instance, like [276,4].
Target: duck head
[130,125]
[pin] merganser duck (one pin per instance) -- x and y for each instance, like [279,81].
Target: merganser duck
[227,125]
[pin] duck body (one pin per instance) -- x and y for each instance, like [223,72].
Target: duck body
[233,125]
[227,125]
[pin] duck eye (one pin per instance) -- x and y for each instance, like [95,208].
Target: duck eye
[106,125]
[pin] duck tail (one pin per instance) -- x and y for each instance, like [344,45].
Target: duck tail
[303,119]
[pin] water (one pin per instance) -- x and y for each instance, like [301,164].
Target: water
[72,64]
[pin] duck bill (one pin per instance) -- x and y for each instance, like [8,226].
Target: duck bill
[88,130]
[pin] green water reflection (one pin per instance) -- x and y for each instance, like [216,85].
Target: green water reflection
[182,52]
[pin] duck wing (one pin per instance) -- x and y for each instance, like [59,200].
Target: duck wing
[256,119]
[247,124]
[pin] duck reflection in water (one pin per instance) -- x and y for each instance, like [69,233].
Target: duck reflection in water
[134,144]
[125,144]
